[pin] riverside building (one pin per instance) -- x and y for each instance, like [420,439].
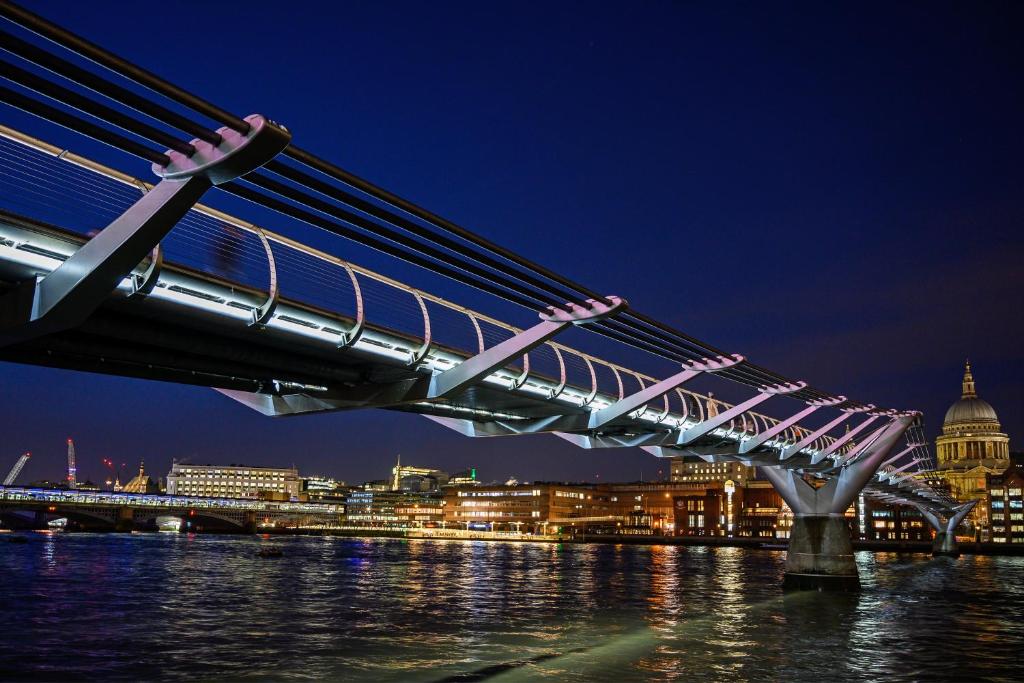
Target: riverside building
[520,507]
[393,509]
[234,481]
[1005,505]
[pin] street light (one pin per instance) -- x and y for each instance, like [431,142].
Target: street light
[730,487]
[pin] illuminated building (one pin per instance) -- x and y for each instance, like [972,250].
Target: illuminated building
[694,470]
[750,511]
[234,481]
[1005,505]
[700,514]
[887,522]
[323,488]
[971,448]
[420,510]
[464,478]
[758,509]
[637,508]
[520,507]
[393,509]
[409,478]
[141,483]
[654,500]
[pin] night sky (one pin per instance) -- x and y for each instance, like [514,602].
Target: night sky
[833,191]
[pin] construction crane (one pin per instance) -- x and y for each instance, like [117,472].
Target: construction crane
[16,470]
[72,481]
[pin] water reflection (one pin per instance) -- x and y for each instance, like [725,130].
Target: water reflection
[423,610]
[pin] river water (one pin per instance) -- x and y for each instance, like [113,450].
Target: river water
[184,607]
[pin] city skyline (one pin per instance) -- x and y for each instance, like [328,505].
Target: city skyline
[921,237]
[47,460]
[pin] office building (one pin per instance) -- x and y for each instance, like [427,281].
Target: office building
[234,481]
[1005,505]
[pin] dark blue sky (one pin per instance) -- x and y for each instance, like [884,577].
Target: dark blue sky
[833,190]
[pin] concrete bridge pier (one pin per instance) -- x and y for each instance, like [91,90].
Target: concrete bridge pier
[820,555]
[125,521]
[945,544]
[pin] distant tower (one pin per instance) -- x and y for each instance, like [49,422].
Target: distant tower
[72,480]
[396,479]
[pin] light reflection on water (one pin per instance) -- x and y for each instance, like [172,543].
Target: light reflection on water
[167,606]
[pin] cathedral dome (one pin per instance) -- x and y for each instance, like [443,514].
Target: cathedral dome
[970,408]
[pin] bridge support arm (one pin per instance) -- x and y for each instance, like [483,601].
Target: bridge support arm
[815,435]
[891,475]
[709,425]
[767,435]
[843,440]
[899,455]
[478,367]
[67,296]
[633,402]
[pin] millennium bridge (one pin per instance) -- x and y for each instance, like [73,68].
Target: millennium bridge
[104,271]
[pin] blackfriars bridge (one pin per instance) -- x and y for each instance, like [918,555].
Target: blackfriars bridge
[27,507]
[160,286]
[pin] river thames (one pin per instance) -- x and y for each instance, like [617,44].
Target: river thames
[184,607]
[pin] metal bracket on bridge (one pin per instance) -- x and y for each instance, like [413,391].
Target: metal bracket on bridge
[769,434]
[690,435]
[67,296]
[143,284]
[892,475]
[474,369]
[837,494]
[899,455]
[843,459]
[844,439]
[817,434]
[631,403]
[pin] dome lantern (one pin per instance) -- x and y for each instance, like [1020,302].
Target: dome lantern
[969,391]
